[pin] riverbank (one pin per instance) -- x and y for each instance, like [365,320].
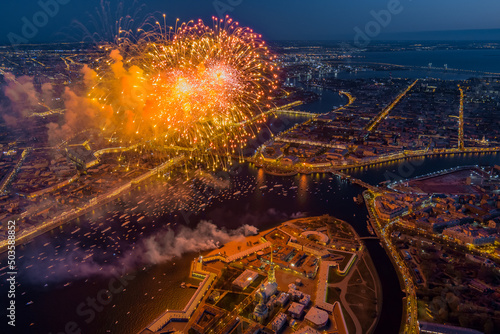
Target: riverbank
[26,236]
[290,170]
[409,320]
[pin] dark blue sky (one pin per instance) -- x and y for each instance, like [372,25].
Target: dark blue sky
[275,19]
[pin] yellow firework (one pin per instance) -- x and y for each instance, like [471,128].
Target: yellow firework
[195,88]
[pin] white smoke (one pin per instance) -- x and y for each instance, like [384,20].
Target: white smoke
[206,236]
[159,248]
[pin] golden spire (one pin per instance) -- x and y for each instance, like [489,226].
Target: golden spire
[271,277]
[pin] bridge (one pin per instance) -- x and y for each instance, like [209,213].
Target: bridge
[449,69]
[297,113]
[369,238]
[358,181]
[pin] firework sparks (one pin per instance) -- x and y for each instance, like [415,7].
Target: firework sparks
[194,88]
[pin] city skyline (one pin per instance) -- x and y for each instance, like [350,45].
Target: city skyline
[55,20]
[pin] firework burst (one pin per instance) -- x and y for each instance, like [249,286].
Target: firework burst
[193,88]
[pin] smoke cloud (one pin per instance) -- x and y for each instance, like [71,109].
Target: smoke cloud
[79,113]
[23,98]
[156,249]
[205,236]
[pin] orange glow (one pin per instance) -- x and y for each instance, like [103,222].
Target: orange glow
[199,88]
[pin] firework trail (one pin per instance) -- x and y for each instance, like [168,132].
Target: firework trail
[191,88]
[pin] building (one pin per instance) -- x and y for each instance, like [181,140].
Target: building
[388,208]
[260,312]
[267,290]
[296,310]
[245,279]
[469,234]
[270,287]
[257,329]
[295,295]
[271,303]
[201,325]
[316,317]
[430,328]
[307,330]
[305,300]
[289,160]
[319,236]
[278,322]
[283,299]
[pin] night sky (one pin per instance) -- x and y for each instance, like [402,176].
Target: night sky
[275,19]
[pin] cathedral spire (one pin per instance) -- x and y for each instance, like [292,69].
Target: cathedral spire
[271,277]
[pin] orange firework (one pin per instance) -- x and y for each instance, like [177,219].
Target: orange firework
[195,88]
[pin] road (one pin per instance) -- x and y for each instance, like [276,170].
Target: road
[383,114]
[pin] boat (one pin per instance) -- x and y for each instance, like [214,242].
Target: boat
[237,193]
[358,199]
[370,228]
[263,187]
[183,285]
[29,303]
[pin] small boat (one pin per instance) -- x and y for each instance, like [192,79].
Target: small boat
[183,285]
[370,229]
[29,303]
[358,200]
[263,187]
[237,193]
